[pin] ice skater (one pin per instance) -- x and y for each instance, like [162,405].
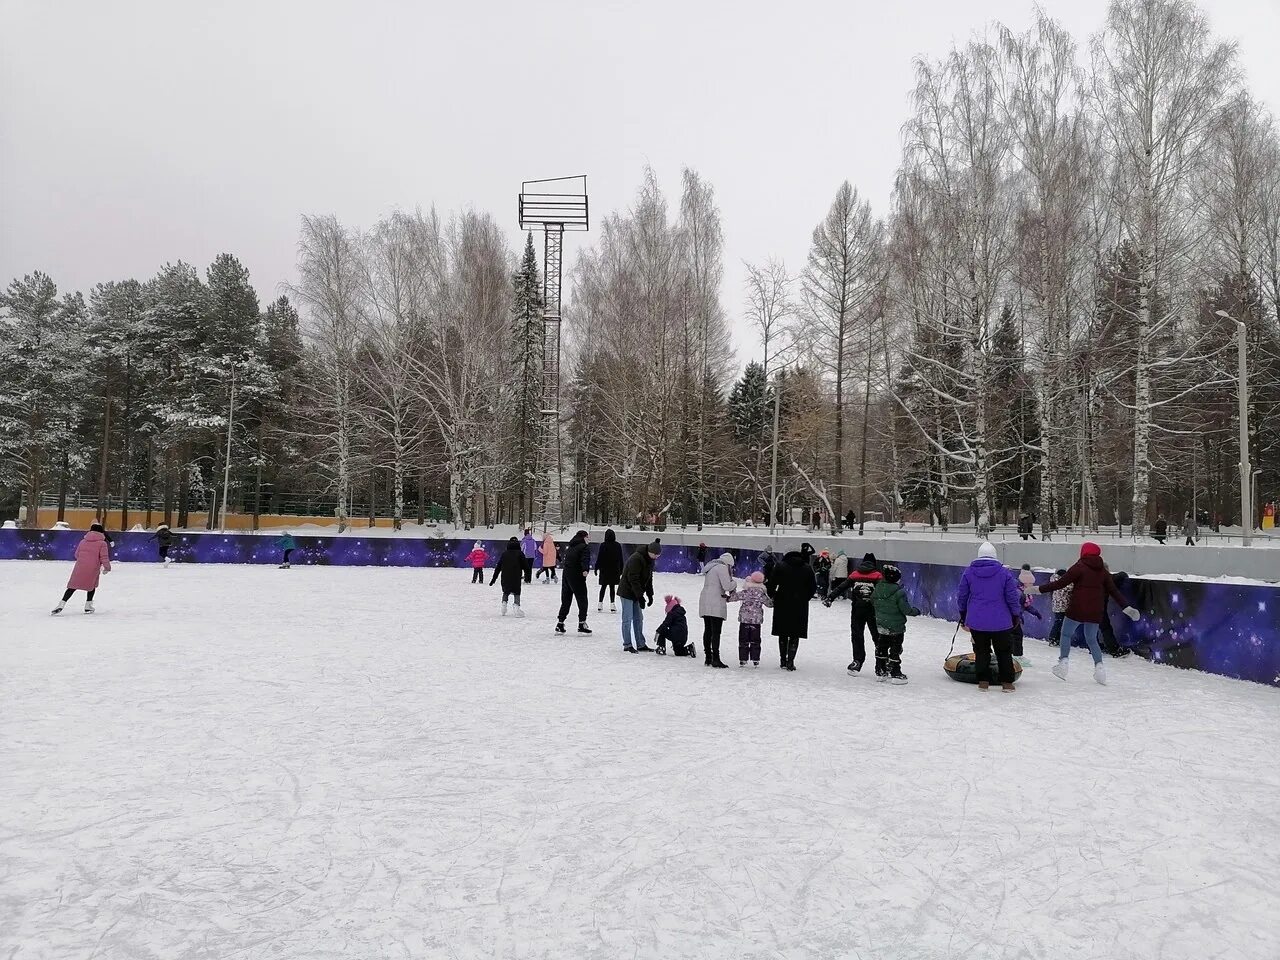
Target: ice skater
[163,538]
[477,558]
[1060,601]
[990,602]
[577,564]
[891,611]
[674,628]
[791,587]
[717,583]
[635,590]
[548,558]
[528,550]
[510,568]
[1091,584]
[93,558]
[287,545]
[862,616]
[609,569]
[753,599]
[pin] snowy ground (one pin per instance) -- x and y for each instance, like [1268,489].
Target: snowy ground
[236,762]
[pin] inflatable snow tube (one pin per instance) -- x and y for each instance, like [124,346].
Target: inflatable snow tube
[964,667]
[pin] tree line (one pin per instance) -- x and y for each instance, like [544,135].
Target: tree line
[1043,322]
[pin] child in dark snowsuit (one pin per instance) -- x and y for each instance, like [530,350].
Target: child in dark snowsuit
[510,567]
[859,585]
[674,628]
[750,617]
[891,611]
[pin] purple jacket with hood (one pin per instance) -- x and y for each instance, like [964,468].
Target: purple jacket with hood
[989,596]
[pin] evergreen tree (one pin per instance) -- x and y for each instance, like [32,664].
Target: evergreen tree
[526,341]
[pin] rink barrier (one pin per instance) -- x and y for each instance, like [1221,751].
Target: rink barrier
[1224,628]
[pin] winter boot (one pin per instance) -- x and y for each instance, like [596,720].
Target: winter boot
[1007,687]
[642,647]
[583,628]
[1100,674]
[560,627]
[983,685]
[715,655]
[706,652]
[1060,669]
[628,648]
[88,608]
[792,649]
[58,609]
[897,677]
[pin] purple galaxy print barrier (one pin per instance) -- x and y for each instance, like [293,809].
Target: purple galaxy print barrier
[1224,628]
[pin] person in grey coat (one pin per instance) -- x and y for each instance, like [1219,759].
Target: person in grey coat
[717,584]
[1190,530]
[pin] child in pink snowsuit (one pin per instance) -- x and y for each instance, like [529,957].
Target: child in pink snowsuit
[93,558]
[477,557]
[750,617]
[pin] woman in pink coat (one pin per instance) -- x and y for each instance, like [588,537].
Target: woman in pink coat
[93,557]
[548,558]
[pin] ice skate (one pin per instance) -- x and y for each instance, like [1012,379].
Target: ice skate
[519,612]
[897,679]
[854,667]
[560,627]
[612,608]
[58,609]
[1060,669]
[504,608]
[583,628]
[882,676]
[1100,674]
[742,663]
[88,608]
[1022,662]
[599,608]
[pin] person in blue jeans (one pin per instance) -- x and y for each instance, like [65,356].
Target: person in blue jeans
[635,591]
[1091,584]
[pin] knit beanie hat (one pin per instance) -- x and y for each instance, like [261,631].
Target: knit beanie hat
[891,573]
[672,601]
[1090,549]
[655,548]
[478,546]
[513,542]
[985,549]
[756,577]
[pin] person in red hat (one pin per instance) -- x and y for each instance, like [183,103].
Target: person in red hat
[1090,584]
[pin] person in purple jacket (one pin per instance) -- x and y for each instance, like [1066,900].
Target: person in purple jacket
[990,601]
[528,548]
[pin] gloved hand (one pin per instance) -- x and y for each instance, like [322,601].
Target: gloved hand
[650,602]
[1132,613]
[826,602]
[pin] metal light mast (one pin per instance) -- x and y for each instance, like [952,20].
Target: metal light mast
[554,205]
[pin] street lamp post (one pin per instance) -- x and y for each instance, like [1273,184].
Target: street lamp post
[773,473]
[1242,396]
[226,475]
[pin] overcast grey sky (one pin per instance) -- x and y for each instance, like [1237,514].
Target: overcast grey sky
[135,133]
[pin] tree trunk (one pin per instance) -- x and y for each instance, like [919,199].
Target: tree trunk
[103,459]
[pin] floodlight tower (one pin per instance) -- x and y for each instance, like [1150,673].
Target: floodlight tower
[554,205]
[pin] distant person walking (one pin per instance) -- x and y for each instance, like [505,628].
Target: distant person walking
[577,564]
[1190,530]
[93,558]
[1160,529]
[548,558]
[164,539]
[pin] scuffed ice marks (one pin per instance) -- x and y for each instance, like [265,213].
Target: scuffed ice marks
[243,762]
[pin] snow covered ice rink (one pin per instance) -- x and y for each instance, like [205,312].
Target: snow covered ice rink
[239,762]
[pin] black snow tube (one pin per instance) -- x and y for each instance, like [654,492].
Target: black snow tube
[964,667]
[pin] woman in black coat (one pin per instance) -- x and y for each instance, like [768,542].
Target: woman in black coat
[791,586]
[609,567]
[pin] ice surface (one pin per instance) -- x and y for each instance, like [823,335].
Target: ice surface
[241,762]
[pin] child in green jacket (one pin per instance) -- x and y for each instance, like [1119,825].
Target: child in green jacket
[892,609]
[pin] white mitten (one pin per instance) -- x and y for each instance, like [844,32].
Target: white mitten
[1132,614]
